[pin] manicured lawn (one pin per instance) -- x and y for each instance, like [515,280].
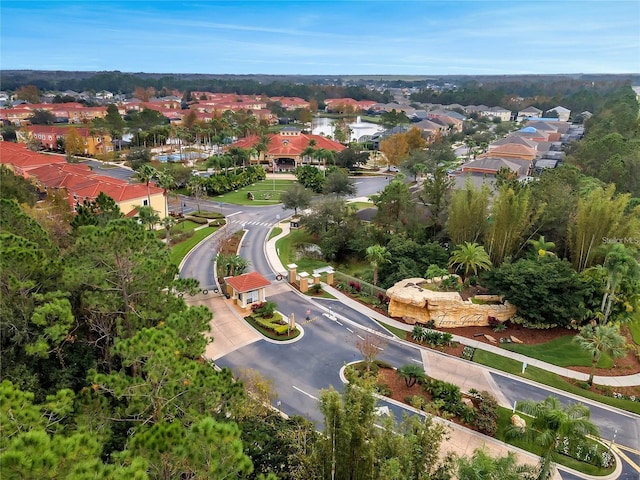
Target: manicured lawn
[551,379]
[398,332]
[274,232]
[562,351]
[504,420]
[179,251]
[362,205]
[286,247]
[184,226]
[265,192]
[324,294]
[355,268]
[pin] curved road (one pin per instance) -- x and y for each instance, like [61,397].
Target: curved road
[300,370]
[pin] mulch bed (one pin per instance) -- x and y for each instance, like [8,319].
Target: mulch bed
[628,365]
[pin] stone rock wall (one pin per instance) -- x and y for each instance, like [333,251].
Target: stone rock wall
[411,302]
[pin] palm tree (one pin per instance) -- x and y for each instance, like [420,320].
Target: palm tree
[411,374]
[145,174]
[542,247]
[619,264]
[262,147]
[377,255]
[167,223]
[471,257]
[148,216]
[552,423]
[482,466]
[601,339]
[232,264]
[165,181]
[324,155]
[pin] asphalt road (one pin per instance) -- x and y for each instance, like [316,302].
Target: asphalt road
[301,370]
[111,171]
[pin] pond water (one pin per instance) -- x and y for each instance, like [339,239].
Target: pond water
[324,126]
[175,157]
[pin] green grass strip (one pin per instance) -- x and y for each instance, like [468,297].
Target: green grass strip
[274,232]
[265,192]
[635,328]
[286,247]
[561,351]
[398,332]
[180,250]
[548,378]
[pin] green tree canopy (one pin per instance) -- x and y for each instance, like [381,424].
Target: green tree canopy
[546,290]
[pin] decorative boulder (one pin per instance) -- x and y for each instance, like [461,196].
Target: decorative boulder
[414,301]
[518,422]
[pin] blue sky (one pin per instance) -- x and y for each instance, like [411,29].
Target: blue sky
[357,37]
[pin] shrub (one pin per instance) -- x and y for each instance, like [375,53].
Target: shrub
[181,236]
[466,414]
[316,288]
[486,419]
[383,389]
[419,334]
[266,309]
[501,327]
[416,401]
[281,329]
[198,220]
[209,215]
[447,392]
[467,353]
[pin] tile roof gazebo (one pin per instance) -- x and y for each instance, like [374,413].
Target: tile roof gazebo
[247,289]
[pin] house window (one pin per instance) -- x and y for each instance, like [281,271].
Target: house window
[253,296]
[145,203]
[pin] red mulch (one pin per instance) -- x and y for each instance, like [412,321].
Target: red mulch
[400,391]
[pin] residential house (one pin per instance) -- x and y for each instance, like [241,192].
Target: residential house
[529,112]
[348,105]
[489,165]
[20,160]
[291,103]
[285,149]
[50,136]
[431,129]
[453,120]
[52,172]
[563,113]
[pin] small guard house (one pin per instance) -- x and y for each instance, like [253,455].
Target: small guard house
[247,289]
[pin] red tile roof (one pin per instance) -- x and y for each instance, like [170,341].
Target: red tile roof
[248,282]
[22,159]
[292,145]
[53,171]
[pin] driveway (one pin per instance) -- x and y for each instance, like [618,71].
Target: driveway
[228,329]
